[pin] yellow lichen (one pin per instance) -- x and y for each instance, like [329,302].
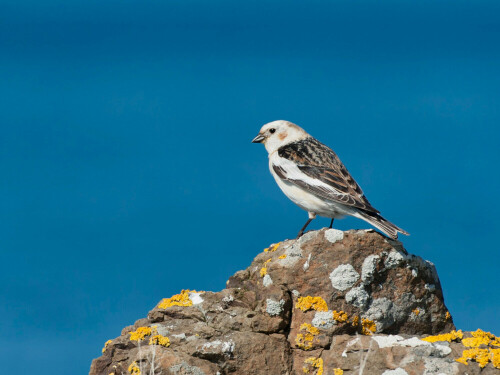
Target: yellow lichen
[481,356]
[309,328]
[478,338]
[159,340]
[453,335]
[181,299]
[337,371]
[368,327]
[482,351]
[462,360]
[106,345]
[495,357]
[311,303]
[134,369]
[263,270]
[272,248]
[140,333]
[447,316]
[316,363]
[340,316]
[282,256]
[305,340]
[416,311]
[474,342]
[355,321]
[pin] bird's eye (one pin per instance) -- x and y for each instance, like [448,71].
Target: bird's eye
[272,130]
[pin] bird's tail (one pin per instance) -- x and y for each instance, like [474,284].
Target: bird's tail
[382,224]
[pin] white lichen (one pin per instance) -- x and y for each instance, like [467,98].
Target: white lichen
[266,281]
[398,371]
[368,268]
[195,297]
[305,267]
[436,366]
[293,252]
[343,277]
[323,319]
[417,313]
[228,347]
[273,307]
[394,259]
[334,235]
[184,368]
[218,346]
[433,349]
[382,312]
[430,287]
[357,297]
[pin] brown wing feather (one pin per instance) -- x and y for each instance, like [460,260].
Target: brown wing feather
[318,161]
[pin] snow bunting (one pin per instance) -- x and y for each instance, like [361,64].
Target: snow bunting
[314,178]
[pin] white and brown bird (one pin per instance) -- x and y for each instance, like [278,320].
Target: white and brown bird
[314,178]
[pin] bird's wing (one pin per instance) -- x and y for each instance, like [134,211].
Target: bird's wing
[315,168]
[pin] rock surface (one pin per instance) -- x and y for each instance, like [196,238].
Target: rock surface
[331,302]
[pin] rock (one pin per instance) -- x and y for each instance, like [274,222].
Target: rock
[332,300]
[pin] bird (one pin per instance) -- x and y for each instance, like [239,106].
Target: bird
[312,176]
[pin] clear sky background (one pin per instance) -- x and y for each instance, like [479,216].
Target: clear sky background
[127,171]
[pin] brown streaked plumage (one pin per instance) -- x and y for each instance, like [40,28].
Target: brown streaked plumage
[320,162]
[314,178]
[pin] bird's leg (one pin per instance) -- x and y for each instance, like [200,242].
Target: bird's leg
[304,228]
[312,215]
[331,223]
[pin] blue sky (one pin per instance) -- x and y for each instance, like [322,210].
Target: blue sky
[127,168]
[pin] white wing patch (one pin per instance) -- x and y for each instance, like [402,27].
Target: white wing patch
[290,172]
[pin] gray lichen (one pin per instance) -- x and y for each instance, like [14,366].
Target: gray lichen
[343,277]
[358,297]
[273,307]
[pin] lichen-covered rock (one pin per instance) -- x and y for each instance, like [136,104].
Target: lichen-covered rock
[328,303]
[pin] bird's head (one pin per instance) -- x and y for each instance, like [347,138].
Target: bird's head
[279,133]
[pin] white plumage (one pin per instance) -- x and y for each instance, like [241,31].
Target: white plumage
[312,176]
[302,198]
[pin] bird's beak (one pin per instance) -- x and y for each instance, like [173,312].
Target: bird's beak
[258,139]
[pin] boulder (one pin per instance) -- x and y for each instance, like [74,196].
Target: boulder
[331,302]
